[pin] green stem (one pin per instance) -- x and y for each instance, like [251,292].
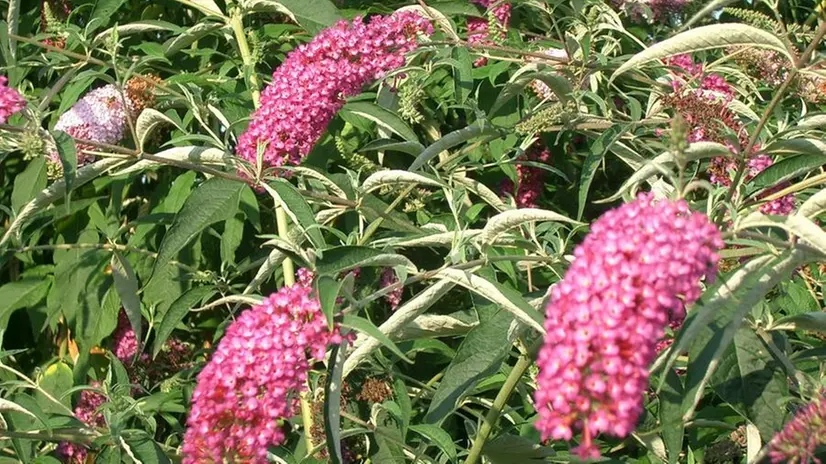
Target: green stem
[237,25]
[495,411]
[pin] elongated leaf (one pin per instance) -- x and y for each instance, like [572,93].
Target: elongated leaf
[103,12]
[443,21]
[794,224]
[556,82]
[482,191]
[176,312]
[395,177]
[68,158]
[706,38]
[56,380]
[509,299]
[363,325]
[503,222]
[709,8]
[11,406]
[507,448]
[312,15]
[297,209]
[750,380]
[208,204]
[138,27]
[126,283]
[451,140]
[328,289]
[149,120]
[797,146]
[21,294]
[480,354]
[392,327]
[207,7]
[411,148]
[592,162]
[814,321]
[56,191]
[814,121]
[671,419]
[193,34]
[463,73]
[728,308]
[814,206]
[696,151]
[28,183]
[332,405]
[438,437]
[383,117]
[194,155]
[787,169]
[345,258]
[144,450]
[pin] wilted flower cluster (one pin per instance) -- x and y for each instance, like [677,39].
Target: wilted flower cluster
[10,100]
[311,85]
[252,380]
[100,116]
[87,412]
[769,66]
[490,30]
[797,442]
[388,278]
[634,273]
[530,180]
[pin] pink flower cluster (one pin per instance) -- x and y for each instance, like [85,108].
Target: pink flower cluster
[258,368]
[394,298]
[487,31]
[311,85]
[799,439]
[712,86]
[633,274]
[100,116]
[87,412]
[721,171]
[10,100]
[530,180]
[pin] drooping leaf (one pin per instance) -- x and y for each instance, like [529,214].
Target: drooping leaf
[706,38]
[28,183]
[395,177]
[176,312]
[502,222]
[65,146]
[103,12]
[312,15]
[673,426]
[382,117]
[787,169]
[437,436]
[345,258]
[332,405]
[126,283]
[556,82]
[56,381]
[297,209]
[21,294]
[363,325]
[450,140]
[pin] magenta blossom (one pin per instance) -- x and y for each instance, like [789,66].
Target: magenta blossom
[634,273]
[249,386]
[86,411]
[312,84]
[388,278]
[10,101]
[530,180]
[797,442]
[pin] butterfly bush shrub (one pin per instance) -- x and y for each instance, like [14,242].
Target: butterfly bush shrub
[357,231]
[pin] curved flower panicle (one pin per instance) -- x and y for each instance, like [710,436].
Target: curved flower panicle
[311,85]
[799,439]
[10,100]
[633,274]
[253,378]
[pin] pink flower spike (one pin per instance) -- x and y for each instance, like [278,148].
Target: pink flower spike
[10,100]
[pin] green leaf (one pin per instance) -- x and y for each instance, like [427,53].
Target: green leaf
[103,12]
[589,167]
[787,169]
[148,121]
[138,27]
[126,283]
[345,258]
[28,183]
[411,148]
[450,140]
[328,289]
[706,38]
[507,448]
[143,449]
[751,381]
[68,158]
[557,83]
[462,74]
[673,426]
[367,327]
[396,177]
[176,312]
[55,191]
[21,294]
[480,355]
[207,7]
[297,209]
[503,222]
[507,298]
[405,405]
[56,381]
[95,322]
[312,15]
[332,405]
[813,321]
[438,437]
[208,204]
[231,238]
[383,117]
